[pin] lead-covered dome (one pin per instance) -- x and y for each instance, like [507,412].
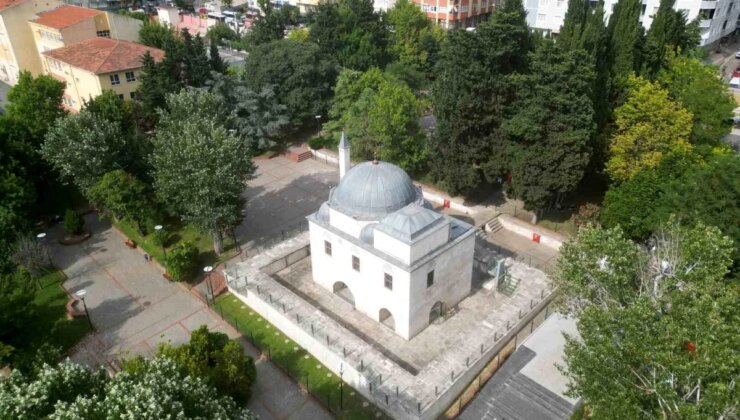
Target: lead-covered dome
[372,190]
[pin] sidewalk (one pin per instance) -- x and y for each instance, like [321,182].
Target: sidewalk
[133,309]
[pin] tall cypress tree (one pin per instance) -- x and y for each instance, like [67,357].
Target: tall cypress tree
[670,31]
[625,39]
[471,96]
[573,24]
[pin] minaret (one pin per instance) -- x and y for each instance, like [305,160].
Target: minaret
[344,162]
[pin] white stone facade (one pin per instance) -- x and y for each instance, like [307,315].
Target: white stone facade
[378,245]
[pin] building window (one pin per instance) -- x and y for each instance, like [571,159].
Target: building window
[120,95]
[103,34]
[327,247]
[541,17]
[130,76]
[355,263]
[388,281]
[464,8]
[559,3]
[114,80]
[430,278]
[132,95]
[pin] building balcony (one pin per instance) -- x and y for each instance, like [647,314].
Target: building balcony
[705,23]
[708,4]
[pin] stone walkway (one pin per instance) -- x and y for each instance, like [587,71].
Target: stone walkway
[134,309]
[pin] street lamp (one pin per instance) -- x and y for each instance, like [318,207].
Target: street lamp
[318,122]
[207,269]
[341,386]
[158,230]
[47,259]
[81,294]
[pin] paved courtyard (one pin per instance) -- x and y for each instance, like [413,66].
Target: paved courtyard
[282,194]
[134,309]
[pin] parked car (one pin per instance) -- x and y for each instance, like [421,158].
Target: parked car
[735,82]
[737,54]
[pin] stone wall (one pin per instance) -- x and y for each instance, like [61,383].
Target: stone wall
[520,227]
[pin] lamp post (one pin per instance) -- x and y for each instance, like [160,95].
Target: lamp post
[159,231]
[47,259]
[341,386]
[318,122]
[81,294]
[207,269]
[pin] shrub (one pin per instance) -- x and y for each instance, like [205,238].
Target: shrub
[316,142]
[588,215]
[182,261]
[73,222]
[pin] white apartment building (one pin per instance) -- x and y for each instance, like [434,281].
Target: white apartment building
[716,18]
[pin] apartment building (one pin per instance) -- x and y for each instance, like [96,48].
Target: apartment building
[67,25]
[717,18]
[96,64]
[17,47]
[451,14]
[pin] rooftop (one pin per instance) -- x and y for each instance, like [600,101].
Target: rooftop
[65,16]
[409,222]
[4,4]
[104,55]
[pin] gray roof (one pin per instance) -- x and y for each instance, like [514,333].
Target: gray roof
[409,222]
[372,190]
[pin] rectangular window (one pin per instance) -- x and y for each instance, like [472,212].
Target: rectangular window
[388,281]
[114,80]
[120,95]
[430,278]
[559,3]
[132,95]
[103,34]
[327,247]
[541,17]
[464,8]
[355,263]
[130,76]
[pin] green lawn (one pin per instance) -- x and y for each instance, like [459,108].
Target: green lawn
[176,233]
[49,322]
[322,383]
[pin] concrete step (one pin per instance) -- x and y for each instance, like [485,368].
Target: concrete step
[494,225]
[508,287]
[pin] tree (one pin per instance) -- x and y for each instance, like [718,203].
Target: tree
[259,116]
[214,58]
[123,196]
[182,261]
[649,125]
[271,24]
[37,101]
[157,80]
[351,32]
[625,39]
[409,25]
[671,33]
[552,126]
[697,87]
[146,389]
[156,35]
[302,79]
[215,359]
[73,222]
[16,307]
[471,95]
[657,324]
[32,254]
[200,166]
[84,147]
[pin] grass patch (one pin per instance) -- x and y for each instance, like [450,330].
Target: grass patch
[175,233]
[49,323]
[299,364]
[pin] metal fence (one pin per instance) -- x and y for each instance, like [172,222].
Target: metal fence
[260,245]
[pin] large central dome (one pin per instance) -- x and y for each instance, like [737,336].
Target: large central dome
[372,190]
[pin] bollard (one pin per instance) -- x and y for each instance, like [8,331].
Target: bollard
[495,336]
[344,351]
[396,390]
[531,303]
[327,340]
[371,386]
[362,365]
[481,347]
[283,308]
[520,314]
[508,327]
[386,399]
[258,290]
[542,293]
[418,406]
[312,328]
[452,375]
[270,294]
[436,392]
[467,361]
[380,379]
[297,318]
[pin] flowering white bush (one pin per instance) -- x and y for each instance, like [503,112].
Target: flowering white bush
[155,390]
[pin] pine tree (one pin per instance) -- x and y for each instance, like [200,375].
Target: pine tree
[573,25]
[217,63]
[670,31]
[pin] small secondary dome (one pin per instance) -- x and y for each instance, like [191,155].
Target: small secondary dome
[372,190]
[409,222]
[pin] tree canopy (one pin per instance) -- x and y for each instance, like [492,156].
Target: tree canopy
[200,166]
[648,126]
[657,324]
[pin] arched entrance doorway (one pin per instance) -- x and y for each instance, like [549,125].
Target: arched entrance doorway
[386,318]
[435,315]
[340,289]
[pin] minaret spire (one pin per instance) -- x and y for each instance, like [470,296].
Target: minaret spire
[344,160]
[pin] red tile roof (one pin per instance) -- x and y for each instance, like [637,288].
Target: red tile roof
[104,55]
[4,4]
[65,16]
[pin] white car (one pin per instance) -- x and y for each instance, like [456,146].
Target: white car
[737,54]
